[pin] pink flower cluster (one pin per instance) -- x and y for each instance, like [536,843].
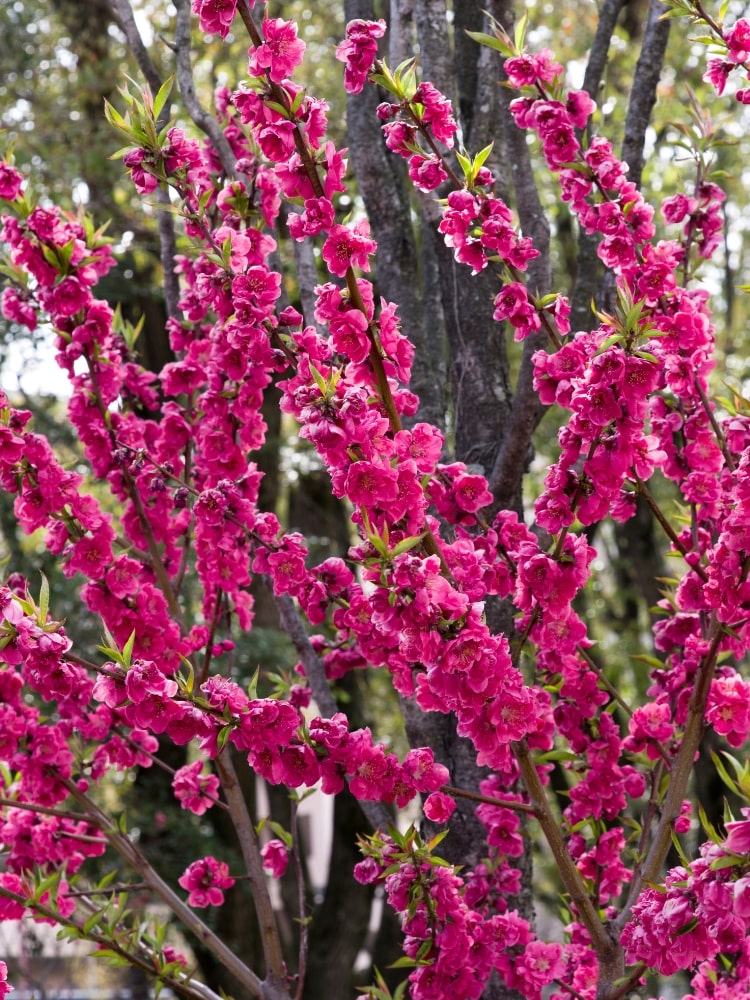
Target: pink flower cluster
[702,913]
[455,947]
[205,881]
[427,113]
[736,41]
[358,52]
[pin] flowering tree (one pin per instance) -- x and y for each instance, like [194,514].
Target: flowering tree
[467,604]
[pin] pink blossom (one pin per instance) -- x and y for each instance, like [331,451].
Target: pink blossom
[371,484]
[738,834]
[358,52]
[439,807]
[193,789]
[215,16]
[348,247]
[427,172]
[275,857]
[280,53]
[738,40]
[11,181]
[717,74]
[5,987]
[436,112]
[205,881]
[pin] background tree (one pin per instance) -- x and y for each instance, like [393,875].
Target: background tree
[471,384]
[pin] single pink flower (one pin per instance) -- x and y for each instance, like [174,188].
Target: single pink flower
[275,858]
[358,52]
[280,53]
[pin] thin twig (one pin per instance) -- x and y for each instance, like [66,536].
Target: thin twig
[274,984]
[127,850]
[205,122]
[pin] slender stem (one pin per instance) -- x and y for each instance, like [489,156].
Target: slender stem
[681,771]
[314,666]
[719,434]
[585,655]
[205,122]
[304,934]
[571,877]
[668,529]
[44,810]
[491,800]
[275,982]
[624,988]
[143,962]
[127,850]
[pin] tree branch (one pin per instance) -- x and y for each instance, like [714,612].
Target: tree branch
[205,122]
[274,985]
[167,240]
[130,853]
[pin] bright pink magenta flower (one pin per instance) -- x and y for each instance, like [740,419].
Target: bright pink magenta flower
[738,835]
[439,807]
[281,51]
[193,789]
[738,40]
[348,247]
[358,52]
[11,181]
[205,881]
[275,857]
[5,987]
[215,16]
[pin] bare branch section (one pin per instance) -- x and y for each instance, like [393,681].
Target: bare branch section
[134,857]
[165,219]
[204,121]
[641,104]
[526,410]
[382,182]
[589,268]
[146,65]
[377,815]
[273,987]
[599,54]
[645,83]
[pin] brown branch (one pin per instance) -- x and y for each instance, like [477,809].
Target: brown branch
[205,122]
[571,877]
[127,850]
[491,800]
[274,985]
[682,769]
[145,963]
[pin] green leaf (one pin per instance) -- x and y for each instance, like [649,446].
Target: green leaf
[519,35]
[43,600]
[403,963]
[93,921]
[680,850]
[723,773]
[708,827]
[161,98]
[728,861]
[223,736]
[465,164]
[555,755]
[252,687]
[502,45]
[112,958]
[481,156]
[405,545]
[127,649]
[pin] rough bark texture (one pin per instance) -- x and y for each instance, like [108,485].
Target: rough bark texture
[482,413]
[382,182]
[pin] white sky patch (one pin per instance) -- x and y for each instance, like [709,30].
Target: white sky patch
[32,368]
